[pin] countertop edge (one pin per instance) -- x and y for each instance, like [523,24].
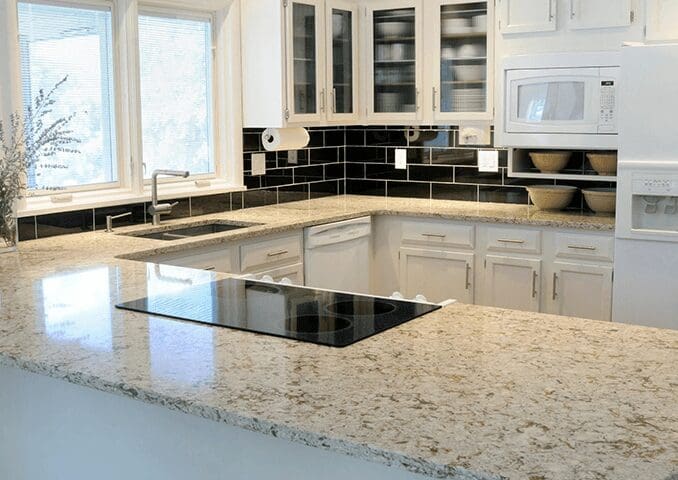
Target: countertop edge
[253,424]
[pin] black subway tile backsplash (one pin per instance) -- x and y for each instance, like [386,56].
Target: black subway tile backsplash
[338,160]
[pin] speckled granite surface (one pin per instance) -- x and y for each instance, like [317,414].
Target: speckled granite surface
[467,392]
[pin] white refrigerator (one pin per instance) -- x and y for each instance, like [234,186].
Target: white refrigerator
[646,247]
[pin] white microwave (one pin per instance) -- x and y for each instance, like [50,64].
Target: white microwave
[560,101]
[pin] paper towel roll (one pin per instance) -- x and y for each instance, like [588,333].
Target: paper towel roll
[275,139]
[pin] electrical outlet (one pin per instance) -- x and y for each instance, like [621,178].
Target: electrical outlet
[401,159]
[488,161]
[293,157]
[258,164]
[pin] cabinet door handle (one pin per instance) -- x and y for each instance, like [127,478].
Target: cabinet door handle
[416,101]
[551,10]
[434,99]
[534,284]
[334,100]
[434,235]
[582,247]
[468,276]
[572,12]
[555,293]
[508,240]
[277,254]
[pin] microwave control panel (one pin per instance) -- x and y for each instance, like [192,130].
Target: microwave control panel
[607,121]
[655,185]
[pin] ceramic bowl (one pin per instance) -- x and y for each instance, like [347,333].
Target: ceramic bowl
[393,29]
[605,163]
[550,162]
[551,197]
[455,25]
[469,73]
[601,200]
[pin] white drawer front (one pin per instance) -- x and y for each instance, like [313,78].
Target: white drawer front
[259,254]
[207,258]
[513,240]
[438,233]
[573,245]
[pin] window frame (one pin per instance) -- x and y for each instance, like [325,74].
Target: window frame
[131,186]
[101,5]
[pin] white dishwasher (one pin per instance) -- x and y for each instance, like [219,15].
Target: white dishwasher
[338,256]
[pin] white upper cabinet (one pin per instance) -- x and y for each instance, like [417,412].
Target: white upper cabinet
[525,16]
[299,62]
[394,60]
[307,97]
[341,42]
[462,59]
[599,14]
[661,20]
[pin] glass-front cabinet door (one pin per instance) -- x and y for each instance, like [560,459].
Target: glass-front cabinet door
[463,85]
[306,95]
[395,76]
[342,57]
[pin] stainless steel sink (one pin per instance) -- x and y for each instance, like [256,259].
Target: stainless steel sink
[196,231]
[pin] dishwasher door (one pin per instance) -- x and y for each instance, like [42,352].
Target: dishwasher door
[338,256]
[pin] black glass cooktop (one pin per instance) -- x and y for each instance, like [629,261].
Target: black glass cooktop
[316,316]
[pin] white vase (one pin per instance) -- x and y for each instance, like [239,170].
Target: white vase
[11,245]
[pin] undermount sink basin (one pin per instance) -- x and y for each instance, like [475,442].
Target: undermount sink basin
[188,232]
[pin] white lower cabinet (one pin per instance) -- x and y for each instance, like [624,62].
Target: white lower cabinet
[438,275]
[511,282]
[580,290]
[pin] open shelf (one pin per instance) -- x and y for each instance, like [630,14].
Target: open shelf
[578,169]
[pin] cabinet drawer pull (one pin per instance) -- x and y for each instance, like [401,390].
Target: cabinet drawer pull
[534,284]
[434,235]
[468,275]
[582,247]
[555,279]
[507,240]
[277,254]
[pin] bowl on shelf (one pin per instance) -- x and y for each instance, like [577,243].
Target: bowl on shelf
[469,73]
[393,29]
[472,50]
[550,162]
[337,25]
[451,26]
[479,22]
[605,163]
[551,197]
[603,201]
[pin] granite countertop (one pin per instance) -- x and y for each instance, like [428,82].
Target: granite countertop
[466,392]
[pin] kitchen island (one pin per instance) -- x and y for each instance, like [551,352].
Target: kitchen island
[464,392]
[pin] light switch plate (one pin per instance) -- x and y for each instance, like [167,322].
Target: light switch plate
[488,161]
[293,157]
[258,164]
[400,159]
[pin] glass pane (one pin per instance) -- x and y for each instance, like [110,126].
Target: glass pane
[546,101]
[395,88]
[304,58]
[463,63]
[342,55]
[56,42]
[175,58]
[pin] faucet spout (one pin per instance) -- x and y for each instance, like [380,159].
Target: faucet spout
[156,209]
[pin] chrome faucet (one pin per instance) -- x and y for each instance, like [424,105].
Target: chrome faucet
[156,209]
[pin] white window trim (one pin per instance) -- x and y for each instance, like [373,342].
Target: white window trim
[228,149]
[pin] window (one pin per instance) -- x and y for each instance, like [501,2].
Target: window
[59,41]
[175,58]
